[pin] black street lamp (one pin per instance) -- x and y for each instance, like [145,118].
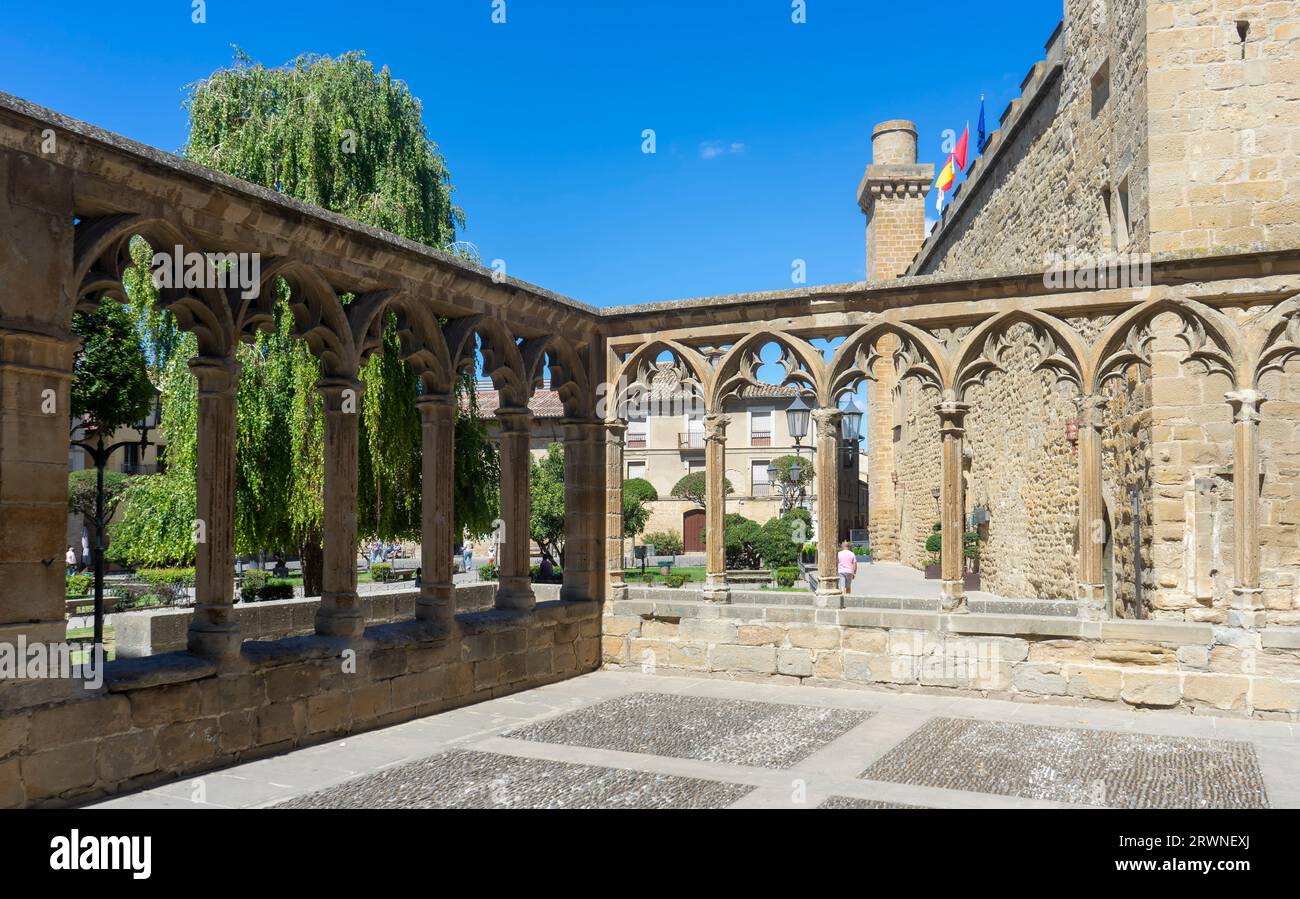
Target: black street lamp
[851,422]
[100,454]
[796,419]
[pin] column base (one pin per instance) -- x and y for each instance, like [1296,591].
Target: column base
[716,589]
[829,599]
[1092,602]
[954,597]
[214,643]
[438,604]
[616,591]
[515,593]
[340,615]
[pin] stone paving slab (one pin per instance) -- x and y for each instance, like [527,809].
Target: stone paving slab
[825,772]
[734,731]
[848,802]
[481,780]
[1080,765]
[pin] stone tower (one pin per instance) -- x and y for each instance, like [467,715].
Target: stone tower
[892,197]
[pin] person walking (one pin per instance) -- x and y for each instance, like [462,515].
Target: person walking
[70,558]
[847,566]
[468,555]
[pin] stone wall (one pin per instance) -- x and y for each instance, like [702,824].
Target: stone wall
[176,715]
[1024,469]
[917,457]
[1031,658]
[1225,125]
[1279,522]
[1070,155]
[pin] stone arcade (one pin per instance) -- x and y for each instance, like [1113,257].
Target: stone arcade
[1067,415]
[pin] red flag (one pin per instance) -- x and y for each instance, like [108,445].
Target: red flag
[959,154]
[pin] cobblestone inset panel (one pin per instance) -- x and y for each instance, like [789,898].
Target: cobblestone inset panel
[1066,764]
[469,779]
[732,731]
[850,802]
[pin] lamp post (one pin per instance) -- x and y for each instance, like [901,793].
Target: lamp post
[793,492]
[100,454]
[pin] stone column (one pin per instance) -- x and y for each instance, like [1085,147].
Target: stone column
[581,508]
[952,426]
[35,374]
[615,438]
[1247,609]
[515,590]
[340,612]
[437,600]
[829,594]
[715,507]
[1091,586]
[214,631]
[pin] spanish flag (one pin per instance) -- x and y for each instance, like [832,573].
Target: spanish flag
[946,177]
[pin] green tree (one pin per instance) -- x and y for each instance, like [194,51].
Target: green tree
[110,378]
[638,493]
[546,525]
[82,487]
[692,488]
[666,543]
[336,133]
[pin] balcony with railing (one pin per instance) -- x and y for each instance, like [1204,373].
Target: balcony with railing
[761,489]
[690,440]
[760,438]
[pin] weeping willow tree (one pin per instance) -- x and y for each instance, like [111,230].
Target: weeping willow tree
[338,134]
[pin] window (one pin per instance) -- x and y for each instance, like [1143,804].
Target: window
[693,437]
[1100,87]
[760,426]
[695,465]
[760,485]
[636,433]
[635,470]
[1123,219]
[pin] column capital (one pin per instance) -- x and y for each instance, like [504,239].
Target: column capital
[436,407]
[952,417]
[828,419]
[616,430]
[715,426]
[1245,404]
[515,419]
[217,376]
[341,395]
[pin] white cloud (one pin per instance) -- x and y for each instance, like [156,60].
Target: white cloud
[712,149]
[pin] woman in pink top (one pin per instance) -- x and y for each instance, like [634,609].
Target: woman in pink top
[847,566]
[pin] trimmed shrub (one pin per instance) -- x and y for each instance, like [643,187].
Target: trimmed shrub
[666,543]
[169,584]
[382,573]
[742,539]
[252,583]
[674,580]
[276,588]
[786,577]
[487,572]
[78,584]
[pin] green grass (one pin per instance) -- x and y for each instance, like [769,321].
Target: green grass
[80,656]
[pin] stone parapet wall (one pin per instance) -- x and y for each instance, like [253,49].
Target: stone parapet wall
[139,634]
[175,715]
[1034,658]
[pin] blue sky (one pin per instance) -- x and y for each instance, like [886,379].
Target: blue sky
[762,125]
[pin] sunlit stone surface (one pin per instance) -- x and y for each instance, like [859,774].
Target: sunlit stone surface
[462,779]
[734,731]
[1066,764]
